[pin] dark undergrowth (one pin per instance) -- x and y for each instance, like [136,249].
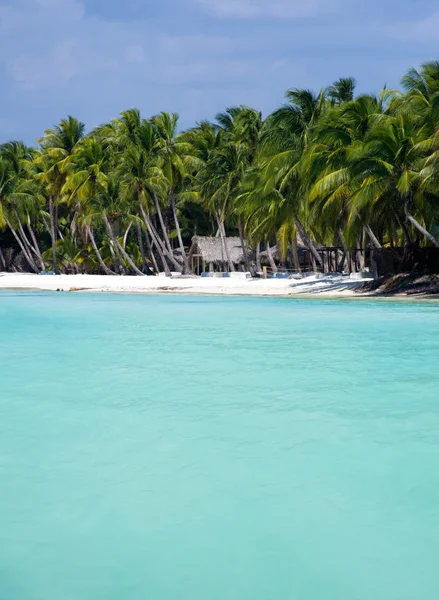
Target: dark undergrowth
[404,283]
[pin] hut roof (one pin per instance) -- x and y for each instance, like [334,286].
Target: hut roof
[212,251]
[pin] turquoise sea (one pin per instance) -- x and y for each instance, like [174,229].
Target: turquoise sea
[193,448]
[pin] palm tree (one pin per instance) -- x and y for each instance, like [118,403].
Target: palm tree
[109,201]
[176,162]
[21,199]
[57,144]
[330,168]
[389,169]
[326,163]
[144,182]
[86,181]
[285,137]
[342,91]
[231,150]
[421,99]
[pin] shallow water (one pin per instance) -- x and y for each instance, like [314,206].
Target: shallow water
[179,447]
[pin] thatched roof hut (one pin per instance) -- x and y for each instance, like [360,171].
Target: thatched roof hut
[211,251]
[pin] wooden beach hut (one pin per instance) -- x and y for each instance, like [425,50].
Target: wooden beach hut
[214,254]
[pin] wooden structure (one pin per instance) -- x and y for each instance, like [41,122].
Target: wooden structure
[212,253]
[334,259]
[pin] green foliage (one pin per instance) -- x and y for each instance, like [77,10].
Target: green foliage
[330,166]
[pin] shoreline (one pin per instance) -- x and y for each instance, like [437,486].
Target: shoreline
[337,286]
[329,286]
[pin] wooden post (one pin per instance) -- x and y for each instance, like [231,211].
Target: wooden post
[264,270]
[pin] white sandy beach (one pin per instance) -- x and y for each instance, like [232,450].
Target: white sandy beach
[328,285]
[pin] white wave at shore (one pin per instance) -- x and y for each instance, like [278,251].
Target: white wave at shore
[328,285]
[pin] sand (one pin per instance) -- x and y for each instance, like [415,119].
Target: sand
[328,285]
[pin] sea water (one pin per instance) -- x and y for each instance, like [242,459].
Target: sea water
[158,447]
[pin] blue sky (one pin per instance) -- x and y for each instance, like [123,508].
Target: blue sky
[94,58]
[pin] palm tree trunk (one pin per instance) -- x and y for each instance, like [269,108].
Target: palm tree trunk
[151,253]
[161,247]
[372,237]
[122,266]
[56,220]
[229,260]
[159,243]
[243,245]
[116,262]
[270,258]
[129,259]
[345,256]
[114,245]
[258,257]
[307,240]
[421,229]
[35,249]
[53,234]
[222,231]
[30,249]
[155,241]
[46,224]
[219,234]
[35,242]
[2,259]
[125,237]
[405,232]
[28,257]
[186,267]
[418,226]
[295,251]
[149,232]
[34,239]
[162,224]
[141,248]
[166,268]
[362,242]
[106,270]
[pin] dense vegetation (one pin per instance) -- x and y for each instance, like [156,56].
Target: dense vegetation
[339,169]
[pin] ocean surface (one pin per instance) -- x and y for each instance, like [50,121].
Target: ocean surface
[193,448]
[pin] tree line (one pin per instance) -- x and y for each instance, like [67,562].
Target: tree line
[334,168]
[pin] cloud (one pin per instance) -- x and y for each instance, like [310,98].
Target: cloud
[254,9]
[71,62]
[87,58]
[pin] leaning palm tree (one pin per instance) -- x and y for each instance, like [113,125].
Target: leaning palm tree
[325,166]
[144,183]
[233,149]
[388,169]
[110,207]
[176,161]
[57,144]
[285,137]
[21,199]
[86,178]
